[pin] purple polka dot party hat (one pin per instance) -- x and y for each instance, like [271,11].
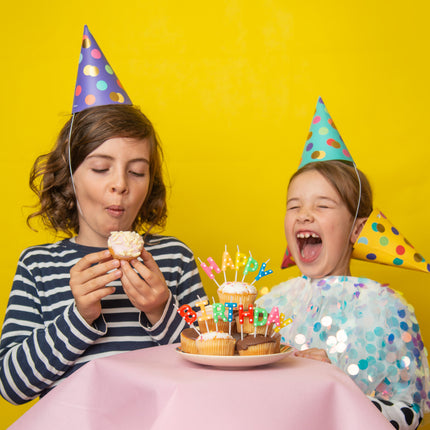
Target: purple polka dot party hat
[324,142]
[96,84]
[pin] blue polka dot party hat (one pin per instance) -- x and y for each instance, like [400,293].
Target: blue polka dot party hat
[324,142]
[96,84]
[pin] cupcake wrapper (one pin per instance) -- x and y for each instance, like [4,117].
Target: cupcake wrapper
[188,345]
[261,349]
[244,299]
[216,347]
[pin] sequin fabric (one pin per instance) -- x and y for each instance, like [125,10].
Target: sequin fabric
[367,329]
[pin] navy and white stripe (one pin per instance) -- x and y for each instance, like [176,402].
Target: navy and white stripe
[401,415]
[44,338]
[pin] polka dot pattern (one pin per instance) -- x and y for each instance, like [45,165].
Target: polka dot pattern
[367,329]
[381,242]
[324,141]
[96,84]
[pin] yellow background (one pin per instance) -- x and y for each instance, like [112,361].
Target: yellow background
[231,87]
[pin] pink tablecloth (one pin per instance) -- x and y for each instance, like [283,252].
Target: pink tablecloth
[157,389]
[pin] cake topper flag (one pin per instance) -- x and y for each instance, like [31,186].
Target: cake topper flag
[324,142]
[96,83]
[380,242]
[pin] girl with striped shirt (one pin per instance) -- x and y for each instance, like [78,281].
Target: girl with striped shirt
[71,302]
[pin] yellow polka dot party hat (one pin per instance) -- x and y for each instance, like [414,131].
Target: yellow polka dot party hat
[379,241]
[96,83]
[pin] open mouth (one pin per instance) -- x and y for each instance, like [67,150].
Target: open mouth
[310,245]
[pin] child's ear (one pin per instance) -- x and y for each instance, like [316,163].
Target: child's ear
[358,226]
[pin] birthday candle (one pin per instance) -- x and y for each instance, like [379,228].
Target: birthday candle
[241,259]
[186,312]
[257,322]
[262,272]
[248,313]
[226,262]
[208,269]
[251,266]
[230,307]
[218,310]
[273,317]
[282,323]
[260,312]
[204,316]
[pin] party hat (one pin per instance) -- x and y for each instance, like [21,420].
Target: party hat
[96,84]
[288,259]
[380,242]
[324,142]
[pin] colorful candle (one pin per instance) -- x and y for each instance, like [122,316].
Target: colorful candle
[246,313]
[208,269]
[186,312]
[251,266]
[226,261]
[240,261]
[230,306]
[262,272]
[218,310]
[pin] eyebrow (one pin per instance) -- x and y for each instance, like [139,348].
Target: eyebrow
[293,199]
[110,158]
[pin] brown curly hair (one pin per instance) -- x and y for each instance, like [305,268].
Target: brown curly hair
[50,176]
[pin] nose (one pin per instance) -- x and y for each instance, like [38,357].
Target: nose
[305,214]
[119,183]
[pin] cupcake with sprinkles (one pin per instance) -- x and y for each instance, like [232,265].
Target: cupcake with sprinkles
[125,245]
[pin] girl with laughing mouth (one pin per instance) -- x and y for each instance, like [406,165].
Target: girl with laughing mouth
[364,328]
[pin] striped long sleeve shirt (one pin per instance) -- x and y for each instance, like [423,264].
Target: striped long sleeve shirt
[44,338]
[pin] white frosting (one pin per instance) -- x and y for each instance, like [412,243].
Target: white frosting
[213,335]
[237,288]
[125,243]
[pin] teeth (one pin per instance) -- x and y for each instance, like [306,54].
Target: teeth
[306,235]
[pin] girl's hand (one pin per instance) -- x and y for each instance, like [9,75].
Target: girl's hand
[88,280]
[314,354]
[149,294]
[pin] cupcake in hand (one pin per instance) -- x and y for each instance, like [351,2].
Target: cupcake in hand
[125,245]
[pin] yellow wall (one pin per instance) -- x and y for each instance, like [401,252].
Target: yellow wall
[231,87]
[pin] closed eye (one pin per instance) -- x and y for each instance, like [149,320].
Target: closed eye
[138,174]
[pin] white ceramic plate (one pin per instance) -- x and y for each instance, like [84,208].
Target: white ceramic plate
[235,360]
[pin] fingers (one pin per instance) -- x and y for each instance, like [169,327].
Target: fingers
[313,354]
[94,266]
[146,288]
[88,280]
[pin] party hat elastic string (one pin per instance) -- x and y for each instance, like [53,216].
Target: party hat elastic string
[69,144]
